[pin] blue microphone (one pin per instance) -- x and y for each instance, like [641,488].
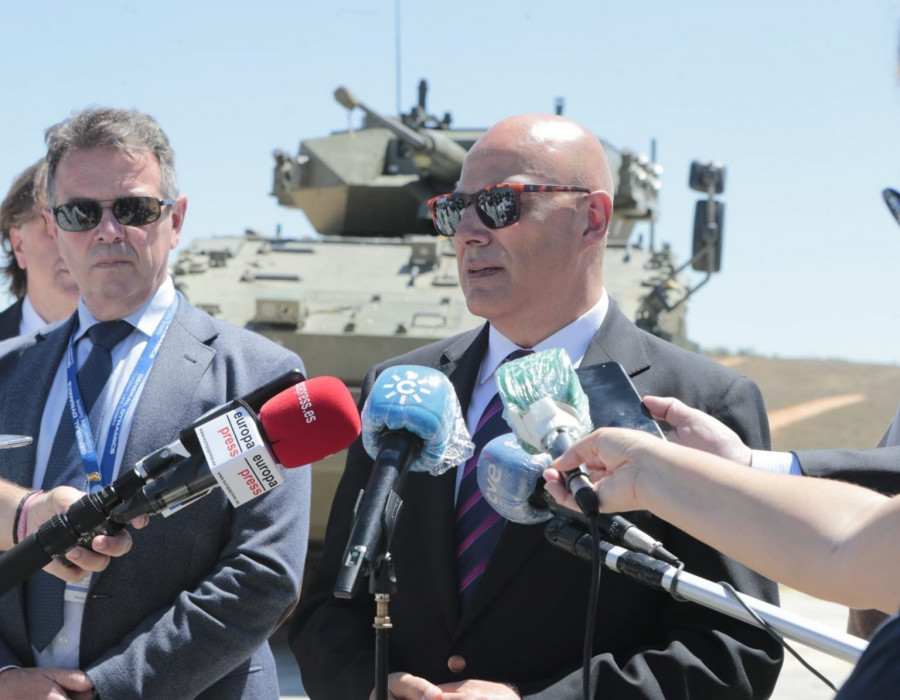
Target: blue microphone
[411,420]
[512,482]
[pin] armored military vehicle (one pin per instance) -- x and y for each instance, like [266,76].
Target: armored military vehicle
[376,282]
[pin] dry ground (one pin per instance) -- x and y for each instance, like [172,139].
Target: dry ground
[823,403]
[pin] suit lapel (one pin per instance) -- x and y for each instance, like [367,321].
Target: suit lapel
[618,340]
[430,499]
[182,360]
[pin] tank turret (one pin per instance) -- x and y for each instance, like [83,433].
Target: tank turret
[435,154]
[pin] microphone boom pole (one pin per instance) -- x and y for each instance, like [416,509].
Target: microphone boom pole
[565,533]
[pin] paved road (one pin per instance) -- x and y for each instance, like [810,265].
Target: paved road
[795,683]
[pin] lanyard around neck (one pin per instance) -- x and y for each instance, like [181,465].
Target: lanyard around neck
[99,472]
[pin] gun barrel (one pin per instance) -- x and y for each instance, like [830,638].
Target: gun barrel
[435,153]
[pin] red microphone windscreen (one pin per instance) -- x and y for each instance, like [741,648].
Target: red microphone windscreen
[310,421]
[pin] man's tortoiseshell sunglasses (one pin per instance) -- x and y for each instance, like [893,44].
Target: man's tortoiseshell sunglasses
[497,206]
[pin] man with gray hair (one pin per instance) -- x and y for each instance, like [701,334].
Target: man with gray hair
[188,613]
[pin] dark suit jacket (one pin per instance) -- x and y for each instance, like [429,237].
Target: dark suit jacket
[525,623]
[11,320]
[188,611]
[877,469]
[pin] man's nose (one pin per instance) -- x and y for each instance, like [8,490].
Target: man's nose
[109,229]
[471,229]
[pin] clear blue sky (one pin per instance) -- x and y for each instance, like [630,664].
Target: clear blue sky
[800,100]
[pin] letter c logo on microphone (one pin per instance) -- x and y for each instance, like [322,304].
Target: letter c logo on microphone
[407,388]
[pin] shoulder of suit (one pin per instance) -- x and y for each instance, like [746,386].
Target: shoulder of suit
[433,354]
[231,339]
[660,349]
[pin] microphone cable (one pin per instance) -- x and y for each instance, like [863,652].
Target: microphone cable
[593,523]
[773,633]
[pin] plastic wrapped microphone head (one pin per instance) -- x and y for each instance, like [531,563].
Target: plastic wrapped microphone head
[541,394]
[422,401]
[508,476]
[310,421]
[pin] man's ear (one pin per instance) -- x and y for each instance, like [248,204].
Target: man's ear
[50,223]
[16,239]
[179,209]
[600,209]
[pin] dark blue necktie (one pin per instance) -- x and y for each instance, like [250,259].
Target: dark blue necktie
[44,602]
[478,525]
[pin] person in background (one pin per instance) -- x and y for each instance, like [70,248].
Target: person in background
[39,280]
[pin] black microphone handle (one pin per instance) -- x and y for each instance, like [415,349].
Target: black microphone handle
[377,512]
[563,533]
[181,484]
[20,562]
[577,481]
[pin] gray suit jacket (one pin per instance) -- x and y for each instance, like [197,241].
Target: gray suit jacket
[188,611]
[525,622]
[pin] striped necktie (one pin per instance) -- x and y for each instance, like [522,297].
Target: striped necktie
[44,601]
[478,525]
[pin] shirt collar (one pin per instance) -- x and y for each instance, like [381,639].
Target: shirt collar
[31,319]
[573,338]
[145,319]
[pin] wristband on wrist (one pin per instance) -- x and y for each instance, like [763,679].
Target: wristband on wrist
[15,532]
[20,526]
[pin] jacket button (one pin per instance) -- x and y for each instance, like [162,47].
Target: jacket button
[456,663]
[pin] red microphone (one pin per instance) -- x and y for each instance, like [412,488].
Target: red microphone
[242,452]
[310,421]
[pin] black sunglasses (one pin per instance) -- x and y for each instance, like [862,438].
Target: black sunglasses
[86,214]
[497,206]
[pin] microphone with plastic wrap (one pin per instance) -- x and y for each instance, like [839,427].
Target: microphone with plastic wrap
[548,411]
[512,482]
[230,446]
[411,421]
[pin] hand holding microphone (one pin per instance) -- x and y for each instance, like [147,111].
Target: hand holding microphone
[42,505]
[617,461]
[307,421]
[548,412]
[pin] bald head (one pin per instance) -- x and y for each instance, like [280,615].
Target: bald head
[558,234]
[545,148]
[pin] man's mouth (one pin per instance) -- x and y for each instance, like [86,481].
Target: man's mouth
[481,269]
